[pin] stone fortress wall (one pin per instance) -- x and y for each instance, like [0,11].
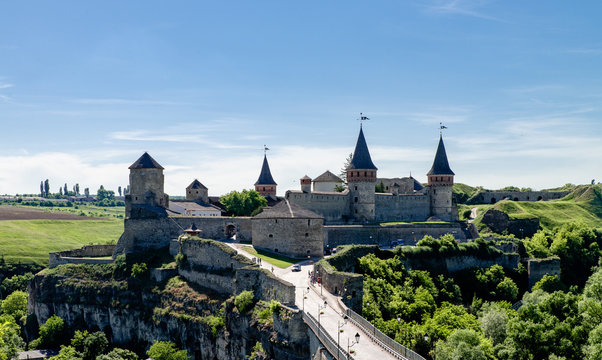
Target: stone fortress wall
[402,207]
[89,254]
[491,197]
[296,237]
[334,207]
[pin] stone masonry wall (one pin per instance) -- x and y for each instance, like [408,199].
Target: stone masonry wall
[297,237]
[336,235]
[402,207]
[537,268]
[84,255]
[491,197]
[334,207]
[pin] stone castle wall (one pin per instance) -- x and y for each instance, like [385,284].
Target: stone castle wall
[537,268]
[298,237]
[402,207]
[145,234]
[491,197]
[335,235]
[83,255]
[332,206]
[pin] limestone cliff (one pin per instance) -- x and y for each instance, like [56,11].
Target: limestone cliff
[135,312]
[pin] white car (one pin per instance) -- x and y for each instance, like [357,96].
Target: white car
[296,267]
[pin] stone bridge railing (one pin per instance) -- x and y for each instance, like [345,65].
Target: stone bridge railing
[390,345]
[333,348]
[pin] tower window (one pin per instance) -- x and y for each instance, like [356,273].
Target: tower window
[306,234]
[270,236]
[355,199]
[355,187]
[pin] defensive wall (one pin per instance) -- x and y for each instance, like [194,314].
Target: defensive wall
[156,233]
[500,222]
[296,237]
[334,207]
[89,254]
[383,235]
[216,266]
[491,197]
[537,268]
[389,207]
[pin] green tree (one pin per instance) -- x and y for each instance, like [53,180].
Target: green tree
[590,305]
[166,350]
[593,349]
[119,190]
[243,203]
[16,282]
[494,322]
[66,190]
[465,344]
[102,194]
[118,354]
[46,188]
[10,341]
[244,301]
[548,283]
[346,164]
[67,353]
[52,333]
[15,305]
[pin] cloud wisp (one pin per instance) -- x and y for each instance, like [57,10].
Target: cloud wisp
[460,7]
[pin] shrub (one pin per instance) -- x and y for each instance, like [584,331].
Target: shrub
[180,259]
[15,305]
[139,270]
[52,334]
[243,301]
[118,354]
[166,350]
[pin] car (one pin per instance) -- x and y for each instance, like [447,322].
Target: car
[397,242]
[296,267]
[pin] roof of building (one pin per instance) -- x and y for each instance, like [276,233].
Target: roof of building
[192,228]
[285,209]
[265,177]
[37,354]
[146,162]
[440,165]
[196,185]
[191,205]
[305,178]
[361,156]
[417,185]
[328,177]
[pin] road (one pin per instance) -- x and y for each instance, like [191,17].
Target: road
[324,306]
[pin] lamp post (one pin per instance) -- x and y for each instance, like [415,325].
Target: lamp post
[357,339]
[320,308]
[339,326]
[305,292]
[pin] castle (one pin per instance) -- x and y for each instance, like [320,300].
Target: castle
[405,199]
[299,224]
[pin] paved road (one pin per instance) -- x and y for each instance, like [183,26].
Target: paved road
[332,316]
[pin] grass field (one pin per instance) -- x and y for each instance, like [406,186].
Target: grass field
[276,260]
[83,210]
[31,239]
[584,205]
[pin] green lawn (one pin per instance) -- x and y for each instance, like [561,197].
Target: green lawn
[30,241]
[276,260]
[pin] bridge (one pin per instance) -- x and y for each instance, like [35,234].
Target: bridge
[343,333]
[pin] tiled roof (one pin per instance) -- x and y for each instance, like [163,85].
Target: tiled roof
[191,205]
[440,165]
[196,185]
[145,162]
[265,177]
[361,156]
[328,177]
[285,209]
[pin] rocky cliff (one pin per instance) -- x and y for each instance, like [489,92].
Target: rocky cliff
[134,312]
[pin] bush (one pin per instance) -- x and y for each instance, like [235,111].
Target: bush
[118,354]
[67,353]
[166,350]
[16,282]
[52,334]
[139,270]
[15,305]
[90,345]
[244,301]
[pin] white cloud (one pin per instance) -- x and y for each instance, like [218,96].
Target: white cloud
[460,7]
[5,85]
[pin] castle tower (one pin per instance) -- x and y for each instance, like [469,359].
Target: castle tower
[361,178]
[265,185]
[440,182]
[197,192]
[306,184]
[146,184]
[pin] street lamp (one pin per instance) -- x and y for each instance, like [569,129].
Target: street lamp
[305,292]
[339,326]
[320,308]
[357,339]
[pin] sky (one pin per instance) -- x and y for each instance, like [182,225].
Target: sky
[87,86]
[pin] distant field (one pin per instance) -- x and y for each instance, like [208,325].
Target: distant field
[27,234]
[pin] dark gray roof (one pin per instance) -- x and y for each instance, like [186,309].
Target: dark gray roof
[417,185]
[196,185]
[361,156]
[440,165]
[305,178]
[265,177]
[285,209]
[328,177]
[146,162]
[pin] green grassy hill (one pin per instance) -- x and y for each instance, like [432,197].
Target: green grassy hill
[584,204]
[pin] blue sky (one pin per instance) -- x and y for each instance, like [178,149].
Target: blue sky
[86,87]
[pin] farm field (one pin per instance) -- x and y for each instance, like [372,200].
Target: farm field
[27,234]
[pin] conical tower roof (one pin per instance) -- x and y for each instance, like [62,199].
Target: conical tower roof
[146,162]
[440,165]
[265,177]
[361,156]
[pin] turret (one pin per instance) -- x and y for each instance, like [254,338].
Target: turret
[146,184]
[306,184]
[265,185]
[361,178]
[440,182]
[197,192]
